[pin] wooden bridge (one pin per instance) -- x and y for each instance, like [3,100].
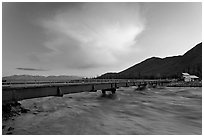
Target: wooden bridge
[16,91]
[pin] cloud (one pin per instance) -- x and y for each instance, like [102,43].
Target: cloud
[92,35]
[31,69]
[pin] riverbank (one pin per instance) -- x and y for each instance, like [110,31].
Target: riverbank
[185,84]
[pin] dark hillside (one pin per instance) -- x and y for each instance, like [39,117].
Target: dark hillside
[169,67]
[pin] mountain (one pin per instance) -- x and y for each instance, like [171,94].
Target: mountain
[169,67]
[40,78]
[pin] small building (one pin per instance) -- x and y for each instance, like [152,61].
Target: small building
[187,77]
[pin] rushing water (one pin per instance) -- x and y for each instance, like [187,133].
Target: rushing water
[151,111]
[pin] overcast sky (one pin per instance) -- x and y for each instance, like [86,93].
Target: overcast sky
[89,39]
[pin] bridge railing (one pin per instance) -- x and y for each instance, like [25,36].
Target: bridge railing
[83,81]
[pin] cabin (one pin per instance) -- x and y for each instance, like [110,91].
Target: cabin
[187,77]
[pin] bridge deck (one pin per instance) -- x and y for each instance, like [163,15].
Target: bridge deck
[16,92]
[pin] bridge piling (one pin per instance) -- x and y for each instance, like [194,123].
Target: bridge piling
[116,85]
[59,92]
[103,93]
[111,85]
[113,91]
[93,89]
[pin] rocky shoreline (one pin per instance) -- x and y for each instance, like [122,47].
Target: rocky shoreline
[9,112]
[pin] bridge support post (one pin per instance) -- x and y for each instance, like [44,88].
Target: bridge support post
[116,85]
[103,93]
[59,92]
[113,91]
[93,89]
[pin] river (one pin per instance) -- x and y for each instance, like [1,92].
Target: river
[153,111]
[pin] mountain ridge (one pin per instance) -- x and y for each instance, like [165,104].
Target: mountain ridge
[40,78]
[168,67]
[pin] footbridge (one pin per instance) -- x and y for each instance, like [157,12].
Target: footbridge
[16,91]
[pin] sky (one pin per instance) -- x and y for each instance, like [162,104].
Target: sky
[89,39]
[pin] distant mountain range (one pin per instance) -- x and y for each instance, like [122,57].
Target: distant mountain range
[40,78]
[169,67]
